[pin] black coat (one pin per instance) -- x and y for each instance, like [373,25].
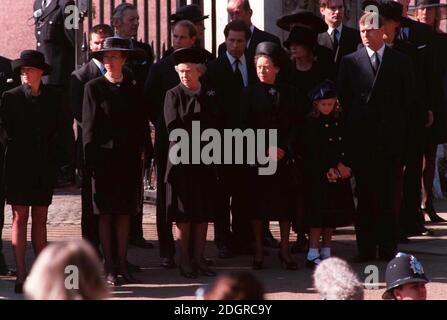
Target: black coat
[220,75]
[55,41]
[272,107]
[257,37]
[349,41]
[8,79]
[323,147]
[115,136]
[192,189]
[439,132]
[79,78]
[377,109]
[35,131]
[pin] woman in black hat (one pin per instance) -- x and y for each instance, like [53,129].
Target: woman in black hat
[34,128]
[308,70]
[115,135]
[430,12]
[191,188]
[272,105]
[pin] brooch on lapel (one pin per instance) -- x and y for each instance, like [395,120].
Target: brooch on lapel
[272,91]
[134,82]
[211,93]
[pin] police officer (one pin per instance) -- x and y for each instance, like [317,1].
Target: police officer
[405,279]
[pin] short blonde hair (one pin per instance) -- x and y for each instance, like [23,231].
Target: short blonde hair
[48,277]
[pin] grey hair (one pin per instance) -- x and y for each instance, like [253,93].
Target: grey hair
[335,280]
[201,66]
[118,12]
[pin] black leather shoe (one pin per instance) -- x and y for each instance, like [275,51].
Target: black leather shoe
[312,264]
[427,232]
[141,243]
[18,288]
[208,262]
[271,242]
[224,253]
[7,272]
[187,274]
[207,272]
[168,263]
[133,267]
[288,265]
[434,217]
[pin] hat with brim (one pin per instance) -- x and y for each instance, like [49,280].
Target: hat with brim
[189,12]
[189,55]
[302,36]
[31,58]
[122,45]
[391,10]
[403,269]
[412,10]
[304,17]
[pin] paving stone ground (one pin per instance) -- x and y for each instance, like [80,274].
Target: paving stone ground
[158,283]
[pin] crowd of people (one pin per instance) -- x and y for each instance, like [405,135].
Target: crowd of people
[358,114]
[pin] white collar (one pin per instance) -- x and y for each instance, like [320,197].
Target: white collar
[232,59]
[339,29]
[99,64]
[379,52]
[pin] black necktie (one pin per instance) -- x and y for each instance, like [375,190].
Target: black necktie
[335,40]
[376,62]
[238,74]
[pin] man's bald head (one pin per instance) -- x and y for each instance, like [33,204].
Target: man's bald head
[240,10]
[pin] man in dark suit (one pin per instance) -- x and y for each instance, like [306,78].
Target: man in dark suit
[91,70]
[161,78]
[341,39]
[376,86]
[125,21]
[55,40]
[229,74]
[241,10]
[8,80]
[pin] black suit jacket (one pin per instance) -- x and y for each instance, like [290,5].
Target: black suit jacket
[349,41]
[220,76]
[377,108]
[257,37]
[79,78]
[55,41]
[141,68]
[8,79]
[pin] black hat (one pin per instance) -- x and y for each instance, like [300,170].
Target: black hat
[31,58]
[274,51]
[428,3]
[189,12]
[324,90]
[119,44]
[191,55]
[302,36]
[305,17]
[403,269]
[391,10]
[367,3]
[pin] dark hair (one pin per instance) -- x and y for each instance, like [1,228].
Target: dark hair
[315,113]
[119,11]
[192,30]
[237,25]
[104,29]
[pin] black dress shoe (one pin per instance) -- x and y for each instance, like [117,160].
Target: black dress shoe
[141,243]
[168,263]
[18,288]
[288,265]
[426,232]
[312,264]
[434,217]
[224,253]
[111,280]
[133,267]
[208,262]
[271,242]
[187,274]
[206,271]
[5,271]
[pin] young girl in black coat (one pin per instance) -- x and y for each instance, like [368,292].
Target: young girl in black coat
[329,202]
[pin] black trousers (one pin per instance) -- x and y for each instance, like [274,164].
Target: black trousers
[410,217]
[375,223]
